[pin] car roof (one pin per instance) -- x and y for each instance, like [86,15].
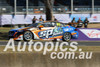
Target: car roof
[52,21]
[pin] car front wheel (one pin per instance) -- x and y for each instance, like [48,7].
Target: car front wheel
[27,36]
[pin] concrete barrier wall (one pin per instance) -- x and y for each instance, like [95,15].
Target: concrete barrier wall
[39,60]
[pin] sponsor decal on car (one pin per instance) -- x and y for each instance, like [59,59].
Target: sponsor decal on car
[50,32]
[91,33]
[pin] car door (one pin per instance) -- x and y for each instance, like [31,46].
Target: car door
[46,32]
[50,32]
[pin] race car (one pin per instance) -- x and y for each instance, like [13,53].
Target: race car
[45,31]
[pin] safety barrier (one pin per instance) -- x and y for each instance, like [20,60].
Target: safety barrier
[88,34]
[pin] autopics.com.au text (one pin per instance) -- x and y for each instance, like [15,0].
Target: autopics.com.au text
[57,50]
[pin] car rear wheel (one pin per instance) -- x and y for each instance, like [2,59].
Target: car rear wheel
[27,36]
[66,36]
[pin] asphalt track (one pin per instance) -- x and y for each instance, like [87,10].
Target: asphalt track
[80,43]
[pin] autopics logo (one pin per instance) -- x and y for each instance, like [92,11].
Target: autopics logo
[57,50]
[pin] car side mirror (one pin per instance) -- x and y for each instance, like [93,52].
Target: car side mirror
[41,26]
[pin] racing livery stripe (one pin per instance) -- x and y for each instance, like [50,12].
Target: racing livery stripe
[17,37]
[58,37]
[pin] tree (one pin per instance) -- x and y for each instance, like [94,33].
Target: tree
[49,9]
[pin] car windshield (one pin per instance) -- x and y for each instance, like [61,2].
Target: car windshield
[34,25]
[48,24]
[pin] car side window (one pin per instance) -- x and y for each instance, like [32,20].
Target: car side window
[59,24]
[48,24]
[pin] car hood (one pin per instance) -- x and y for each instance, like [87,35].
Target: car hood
[23,28]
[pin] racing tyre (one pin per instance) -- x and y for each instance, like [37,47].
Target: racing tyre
[66,36]
[27,36]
